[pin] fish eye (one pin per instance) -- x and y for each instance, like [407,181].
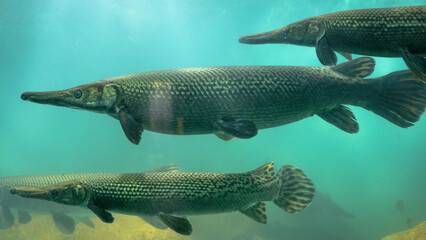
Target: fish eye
[77,93]
[54,193]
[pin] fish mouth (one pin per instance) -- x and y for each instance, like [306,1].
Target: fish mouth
[29,192]
[275,36]
[57,98]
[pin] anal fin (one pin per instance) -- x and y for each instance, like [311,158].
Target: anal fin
[416,64]
[224,136]
[180,225]
[24,217]
[132,128]
[7,220]
[154,221]
[101,213]
[346,55]
[341,117]
[256,212]
[236,128]
[325,54]
[64,223]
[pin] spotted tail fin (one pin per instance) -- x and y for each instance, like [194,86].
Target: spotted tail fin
[296,191]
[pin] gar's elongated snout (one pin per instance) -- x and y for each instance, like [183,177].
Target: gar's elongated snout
[92,97]
[276,36]
[305,33]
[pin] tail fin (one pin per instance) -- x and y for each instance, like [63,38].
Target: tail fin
[401,98]
[296,191]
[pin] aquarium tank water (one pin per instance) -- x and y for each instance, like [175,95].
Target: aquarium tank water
[368,185]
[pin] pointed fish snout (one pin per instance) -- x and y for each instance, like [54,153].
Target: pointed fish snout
[28,192]
[25,96]
[52,97]
[276,36]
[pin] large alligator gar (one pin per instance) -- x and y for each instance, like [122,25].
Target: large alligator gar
[237,101]
[65,217]
[383,32]
[168,197]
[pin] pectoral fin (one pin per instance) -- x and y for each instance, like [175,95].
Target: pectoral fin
[24,217]
[180,225]
[256,212]
[101,213]
[132,128]
[325,54]
[236,128]
[64,223]
[416,64]
[6,218]
[341,117]
[154,221]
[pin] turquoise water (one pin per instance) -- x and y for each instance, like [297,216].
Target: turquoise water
[53,45]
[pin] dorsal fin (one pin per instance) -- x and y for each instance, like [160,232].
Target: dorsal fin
[357,68]
[166,168]
[265,171]
[256,212]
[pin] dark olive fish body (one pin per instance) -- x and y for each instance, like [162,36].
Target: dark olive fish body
[383,32]
[191,101]
[237,101]
[164,199]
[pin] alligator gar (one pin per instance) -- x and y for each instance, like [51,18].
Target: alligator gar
[65,217]
[169,197]
[237,101]
[382,32]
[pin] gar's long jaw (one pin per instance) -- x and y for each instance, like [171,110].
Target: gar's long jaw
[57,98]
[275,36]
[30,192]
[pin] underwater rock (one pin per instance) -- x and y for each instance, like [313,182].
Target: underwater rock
[416,233]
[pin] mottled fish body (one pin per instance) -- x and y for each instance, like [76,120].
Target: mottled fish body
[166,198]
[383,32]
[237,101]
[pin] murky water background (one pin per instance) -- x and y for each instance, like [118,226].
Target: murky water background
[52,45]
